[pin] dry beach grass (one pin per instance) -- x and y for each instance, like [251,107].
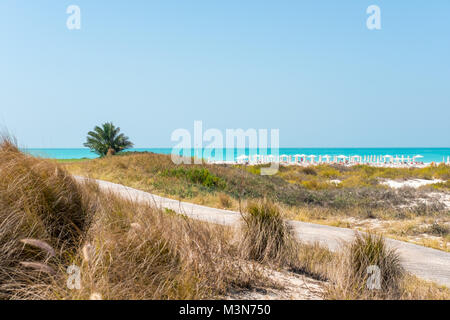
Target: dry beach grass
[361,201]
[125,250]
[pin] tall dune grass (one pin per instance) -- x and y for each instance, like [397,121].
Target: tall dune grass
[368,257]
[41,206]
[266,236]
[49,222]
[346,278]
[123,250]
[138,252]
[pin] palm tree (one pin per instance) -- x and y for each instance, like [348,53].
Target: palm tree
[106,140]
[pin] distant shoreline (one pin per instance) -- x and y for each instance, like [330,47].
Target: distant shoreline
[435,155]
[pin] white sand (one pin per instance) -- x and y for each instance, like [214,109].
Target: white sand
[441,197]
[413,183]
[291,287]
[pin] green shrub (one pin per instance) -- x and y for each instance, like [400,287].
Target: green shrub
[441,185]
[196,175]
[329,173]
[439,229]
[253,169]
[309,171]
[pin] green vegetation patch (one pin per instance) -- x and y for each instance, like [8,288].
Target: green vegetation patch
[195,175]
[318,177]
[292,186]
[442,185]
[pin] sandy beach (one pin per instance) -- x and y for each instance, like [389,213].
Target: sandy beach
[412,183]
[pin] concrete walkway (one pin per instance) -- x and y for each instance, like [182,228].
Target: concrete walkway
[426,263]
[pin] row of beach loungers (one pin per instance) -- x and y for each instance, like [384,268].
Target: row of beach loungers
[306,160]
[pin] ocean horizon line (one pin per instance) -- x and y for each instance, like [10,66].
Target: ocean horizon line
[428,155]
[139,148]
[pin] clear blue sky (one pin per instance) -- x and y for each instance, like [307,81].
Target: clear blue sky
[309,68]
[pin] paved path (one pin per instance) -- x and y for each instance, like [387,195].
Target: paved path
[426,263]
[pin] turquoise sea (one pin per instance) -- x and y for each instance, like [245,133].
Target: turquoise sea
[429,154]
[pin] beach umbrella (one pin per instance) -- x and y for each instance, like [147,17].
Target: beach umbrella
[326,157]
[284,158]
[242,158]
[341,157]
[256,158]
[312,158]
[301,156]
[388,156]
